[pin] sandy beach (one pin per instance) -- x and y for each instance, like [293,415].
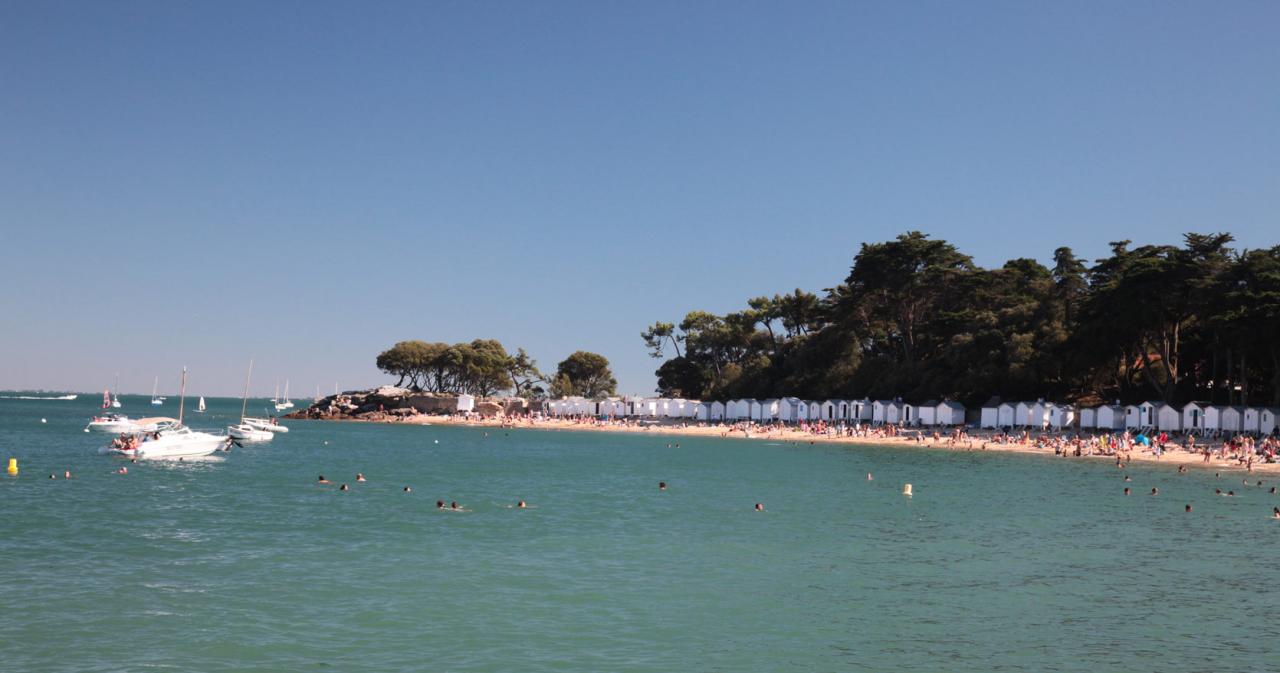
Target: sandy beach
[1174,455]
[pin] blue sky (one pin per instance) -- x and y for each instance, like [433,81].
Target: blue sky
[306,183]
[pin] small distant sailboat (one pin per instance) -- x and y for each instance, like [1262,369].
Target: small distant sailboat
[106,399]
[285,404]
[156,401]
[115,404]
[200,407]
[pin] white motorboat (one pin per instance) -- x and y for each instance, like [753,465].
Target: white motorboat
[169,441]
[111,423]
[247,433]
[266,424]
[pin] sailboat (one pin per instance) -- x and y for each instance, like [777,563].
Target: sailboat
[106,399]
[244,431]
[200,408]
[286,404]
[155,386]
[115,404]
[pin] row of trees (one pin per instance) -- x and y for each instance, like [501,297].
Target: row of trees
[484,367]
[917,318]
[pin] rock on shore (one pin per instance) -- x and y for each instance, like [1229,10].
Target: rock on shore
[390,403]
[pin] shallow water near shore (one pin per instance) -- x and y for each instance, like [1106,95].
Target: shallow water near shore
[999,561]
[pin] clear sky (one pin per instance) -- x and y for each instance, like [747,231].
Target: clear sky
[306,183]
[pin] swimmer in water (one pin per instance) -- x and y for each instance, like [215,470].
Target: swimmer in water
[1231,494]
[53,476]
[1188,509]
[122,470]
[1181,469]
[1273,490]
[662,486]
[759,507]
[1126,490]
[322,480]
[343,488]
[1126,478]
[360,477]
[408,490]
[521,504]
[454,504]
[67,475]
[869,476]
[439,504]
[1217,491]
[1155,491]
[1275,512]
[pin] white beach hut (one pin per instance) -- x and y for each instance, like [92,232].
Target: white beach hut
[1251,420]
[861,410]
[787,409]
[949,413]
[739,409]
[814,408]
[989,417]
[1193,417]
[766,411]
[1167,418]
[1088,419]
[1147,414]
[1231,419]
[1061,415]
[1132,417]
[1006,413]
[1113,417]
[716,411]
[830,410]
[1212,418]
[1267,421]
[878,411]
[466,402]
[927,413]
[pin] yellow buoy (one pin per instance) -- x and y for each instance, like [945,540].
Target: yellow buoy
[906,490]
[13,466]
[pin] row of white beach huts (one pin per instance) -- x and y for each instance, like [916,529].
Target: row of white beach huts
[1194,417]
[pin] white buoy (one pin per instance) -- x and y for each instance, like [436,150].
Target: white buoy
[906,490]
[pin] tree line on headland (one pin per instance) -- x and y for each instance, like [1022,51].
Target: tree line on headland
[483,367]
[916,318]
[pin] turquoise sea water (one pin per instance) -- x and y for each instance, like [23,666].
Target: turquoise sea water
[999,562]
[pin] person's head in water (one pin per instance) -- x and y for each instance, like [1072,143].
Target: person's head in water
[342,487]
[439,504]
[521,504]
[359,477]
[408,490]
[1218,491]
[1231,493]
[1188,507]
[322,480]
[453,504]
[1275,512]
[1126,478]
[1126,490]
[759,507]
[662,486]
[1155,491]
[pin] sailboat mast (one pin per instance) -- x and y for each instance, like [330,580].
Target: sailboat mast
[244,401]
[183,395]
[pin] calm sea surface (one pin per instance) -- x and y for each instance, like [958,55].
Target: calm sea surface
[999,562]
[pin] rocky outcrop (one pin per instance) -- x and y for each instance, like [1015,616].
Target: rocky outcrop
[389,403]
